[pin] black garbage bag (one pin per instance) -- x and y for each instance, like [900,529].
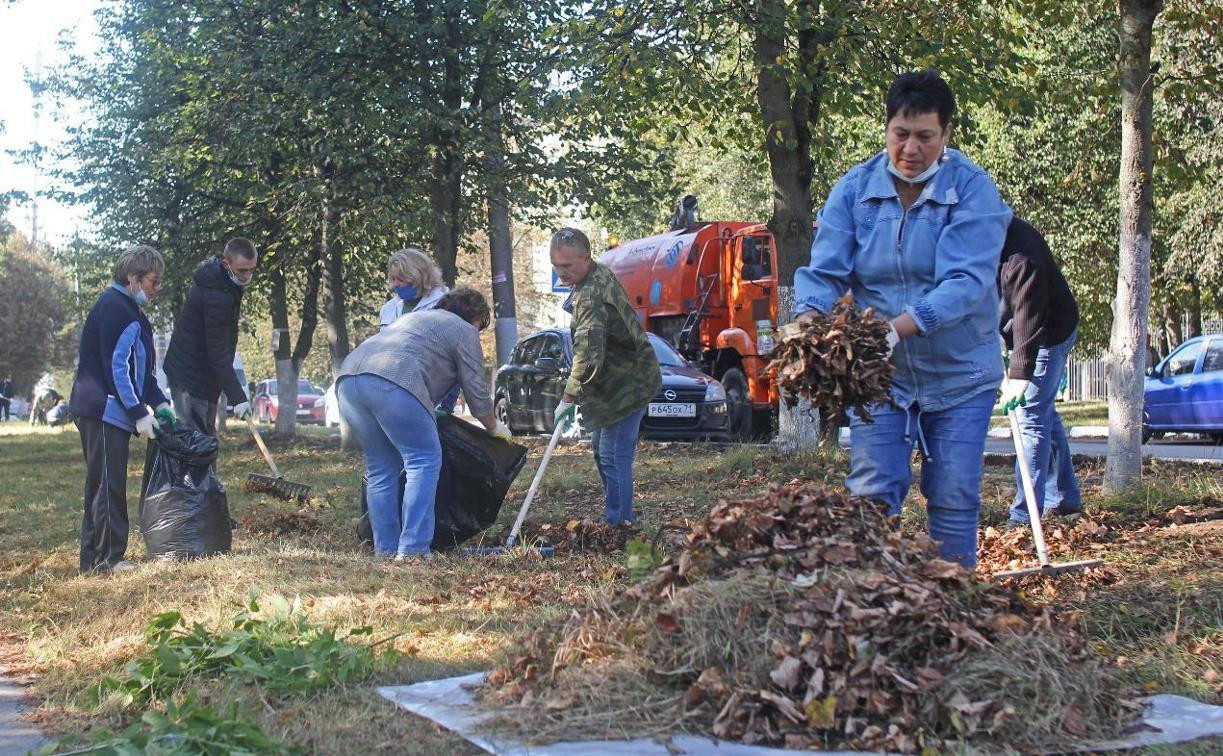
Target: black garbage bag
[477,471]
[184,513]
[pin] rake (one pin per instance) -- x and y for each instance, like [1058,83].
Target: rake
[1038,531]
[274,484]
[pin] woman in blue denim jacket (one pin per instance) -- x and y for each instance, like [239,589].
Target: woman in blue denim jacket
[916,232]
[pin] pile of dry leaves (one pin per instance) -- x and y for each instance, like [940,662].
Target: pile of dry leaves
[279,522]
[837,360]
[806,619]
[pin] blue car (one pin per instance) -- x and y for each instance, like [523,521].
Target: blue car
[1184,392]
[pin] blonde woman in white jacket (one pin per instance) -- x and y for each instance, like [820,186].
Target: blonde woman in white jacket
[416,281]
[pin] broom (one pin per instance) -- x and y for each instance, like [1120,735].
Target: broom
[1038,531]
[275,484]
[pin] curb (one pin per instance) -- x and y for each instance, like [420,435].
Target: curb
[16,735]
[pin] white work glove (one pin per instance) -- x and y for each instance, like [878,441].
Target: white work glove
[147,426]
[242,411]
[893,338]
[501,430]
[1013,390]
[564,414]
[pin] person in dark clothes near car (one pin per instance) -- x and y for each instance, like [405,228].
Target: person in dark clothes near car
[113,397]
[1039,323]
[199,364]
[6,397]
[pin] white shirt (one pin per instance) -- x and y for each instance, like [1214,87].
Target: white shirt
[393,309]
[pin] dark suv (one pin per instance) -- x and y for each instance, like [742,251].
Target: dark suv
[690,404]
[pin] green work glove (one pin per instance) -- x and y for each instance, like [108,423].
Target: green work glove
[565,414]
[1013,390]
[439,413]
[165,415]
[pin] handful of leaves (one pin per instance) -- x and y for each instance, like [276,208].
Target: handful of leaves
[837,360]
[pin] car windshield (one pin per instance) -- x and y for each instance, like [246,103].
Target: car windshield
[666,353]
[303,387]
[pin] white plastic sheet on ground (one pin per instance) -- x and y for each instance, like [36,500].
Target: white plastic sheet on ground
[450,703]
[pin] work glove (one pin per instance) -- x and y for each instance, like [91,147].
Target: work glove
[242,411]
[1013,390]
[893,338]
[501,430]
[565,413]
[146,427]
[165,415]
[439,413]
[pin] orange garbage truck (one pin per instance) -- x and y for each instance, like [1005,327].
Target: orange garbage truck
[711,290]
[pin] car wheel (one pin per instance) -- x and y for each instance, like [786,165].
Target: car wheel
[502,410]
[738,404]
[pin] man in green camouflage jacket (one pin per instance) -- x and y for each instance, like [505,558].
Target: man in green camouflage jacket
[615,373]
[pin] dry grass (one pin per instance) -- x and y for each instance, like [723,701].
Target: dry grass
[1161,622]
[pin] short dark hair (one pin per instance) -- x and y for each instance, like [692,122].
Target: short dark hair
[570,237]
[468,304]
[239,247]
[918,92]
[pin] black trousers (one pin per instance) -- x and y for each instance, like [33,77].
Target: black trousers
[197,413]
[5,407]
[104,527]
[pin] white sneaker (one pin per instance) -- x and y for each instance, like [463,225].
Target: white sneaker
[123,565]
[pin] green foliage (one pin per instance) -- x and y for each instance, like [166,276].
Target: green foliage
[185,729]
[32,312]
[278,650]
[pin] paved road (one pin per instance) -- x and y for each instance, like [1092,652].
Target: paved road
[16,736]
[1162,449]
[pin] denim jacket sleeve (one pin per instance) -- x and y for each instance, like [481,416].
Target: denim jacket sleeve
[825,279]
[966,256]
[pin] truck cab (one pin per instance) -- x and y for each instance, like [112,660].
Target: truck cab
[711,290]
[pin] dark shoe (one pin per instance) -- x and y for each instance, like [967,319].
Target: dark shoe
[1016,525]
[1062,510]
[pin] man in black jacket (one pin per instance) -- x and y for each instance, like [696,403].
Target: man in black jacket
[1039,323]
[6,397]
[199,364]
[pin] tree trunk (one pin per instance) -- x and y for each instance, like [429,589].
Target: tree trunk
[1127,344]
[335,309]
[445,194]
[787,118]
[500,241]
[289,356]
[1194,310]
[1172,337]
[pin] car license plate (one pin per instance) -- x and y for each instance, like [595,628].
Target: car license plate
[672,409]
[303,412]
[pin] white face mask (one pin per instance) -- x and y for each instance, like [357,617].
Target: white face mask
[237,280]
[922,177]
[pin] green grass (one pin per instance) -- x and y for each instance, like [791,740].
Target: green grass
[1160,620]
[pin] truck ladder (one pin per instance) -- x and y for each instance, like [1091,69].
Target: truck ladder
[689,334]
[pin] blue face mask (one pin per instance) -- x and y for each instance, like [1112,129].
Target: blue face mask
[141,298]
[405,292]
[922,177]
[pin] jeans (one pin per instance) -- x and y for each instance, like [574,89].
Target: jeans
[199,414]
[614,448]
[1044,438]
[399,435]
[953,448]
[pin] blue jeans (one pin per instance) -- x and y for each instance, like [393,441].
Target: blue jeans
[614,448]
[953,442]
[398,433]
[1044,438]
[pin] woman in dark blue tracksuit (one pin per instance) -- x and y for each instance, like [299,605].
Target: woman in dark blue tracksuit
[112,398]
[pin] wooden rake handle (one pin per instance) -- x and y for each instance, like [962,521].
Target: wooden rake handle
[250,422]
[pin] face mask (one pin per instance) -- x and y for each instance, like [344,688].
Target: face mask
[924,175]
[236,280]
[141,298]
[405,292]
